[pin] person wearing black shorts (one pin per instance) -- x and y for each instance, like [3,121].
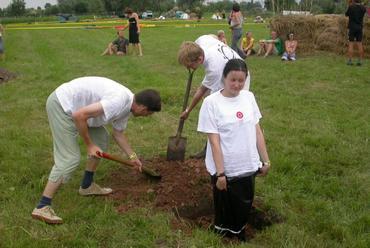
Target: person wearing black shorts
[355,13]
[134,29]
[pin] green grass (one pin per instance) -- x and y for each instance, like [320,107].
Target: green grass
[316,115]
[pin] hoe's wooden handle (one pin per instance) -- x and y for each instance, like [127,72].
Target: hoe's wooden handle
[115,158]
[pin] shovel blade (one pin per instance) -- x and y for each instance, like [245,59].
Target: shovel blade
[176,148]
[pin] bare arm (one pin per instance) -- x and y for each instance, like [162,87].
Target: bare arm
[137,22]
[122,142]
[80,118]
[286,44]
[250,45]
[201,91]
[125,27]
[295,43]
[262,150]
[218,157]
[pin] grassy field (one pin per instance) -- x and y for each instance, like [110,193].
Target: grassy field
[316,115]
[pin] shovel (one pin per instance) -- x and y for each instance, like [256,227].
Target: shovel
[149,172]
[177,144]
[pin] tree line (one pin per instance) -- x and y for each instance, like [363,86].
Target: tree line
[116,7]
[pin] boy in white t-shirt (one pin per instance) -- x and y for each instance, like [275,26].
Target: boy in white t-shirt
[213,54]
[83,107]
[230,118]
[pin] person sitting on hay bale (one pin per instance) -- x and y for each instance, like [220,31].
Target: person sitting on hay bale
[290,48]
[355,12]
[271,46]
[119,46]
[247,44]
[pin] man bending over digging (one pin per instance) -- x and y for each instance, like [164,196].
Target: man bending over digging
[213,54]
[82,107]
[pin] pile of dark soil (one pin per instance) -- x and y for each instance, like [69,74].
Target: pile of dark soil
[184,190]
[6,75]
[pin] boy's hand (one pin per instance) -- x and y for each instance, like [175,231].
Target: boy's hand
[184,115]
[221,183]
[93,151]
[264,170]
[138,164]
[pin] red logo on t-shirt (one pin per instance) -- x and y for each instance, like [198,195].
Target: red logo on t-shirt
[239,115]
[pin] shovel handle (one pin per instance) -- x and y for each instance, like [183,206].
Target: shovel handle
[128,163]
[185,104]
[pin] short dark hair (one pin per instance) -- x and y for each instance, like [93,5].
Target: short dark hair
[150,99]
[236,7]
[235,65]
[128,10]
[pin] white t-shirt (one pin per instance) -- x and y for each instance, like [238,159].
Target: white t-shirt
[234,119]
[115,98]
[216,55]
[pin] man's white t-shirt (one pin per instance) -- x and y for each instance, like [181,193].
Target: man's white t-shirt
[115,98]
[234,119]
[216,55]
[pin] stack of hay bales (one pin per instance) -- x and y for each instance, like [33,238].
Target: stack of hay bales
[321,32]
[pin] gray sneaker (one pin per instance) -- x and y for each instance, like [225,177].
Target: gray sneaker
[47,215]
[94,189]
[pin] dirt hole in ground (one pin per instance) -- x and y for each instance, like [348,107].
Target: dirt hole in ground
[184,190]
[6,75]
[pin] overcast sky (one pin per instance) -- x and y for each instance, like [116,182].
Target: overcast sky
[29,3]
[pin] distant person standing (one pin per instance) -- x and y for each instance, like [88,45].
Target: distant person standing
[223,14]
[1,42]
[134,29]
[355,12]
[236,25]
